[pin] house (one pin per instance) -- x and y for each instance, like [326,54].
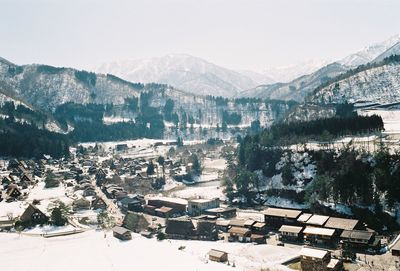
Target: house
[221,212]
[258,228]
[341,224]
[239,234]
[237,223]
[99,203]
[317,220]
[33,216]
[318,260]
[7,180]
[89,191]
[130,204]
[360,239]
[81,204]
[206,230]
[222,225]
[218,256]
[290,233]
[135,222]
[198,206]
[121,147]
[177,205]
[121,233]
[163,211]
[12,192]
[318,235]
[276,217]
[303,218]
[257,238]
[180,228]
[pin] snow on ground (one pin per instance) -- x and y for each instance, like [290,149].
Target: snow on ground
[91,251]
[49,229]
[111,120]
[391,118]
[205,192]
[15,208]
[219,164]
[284,203]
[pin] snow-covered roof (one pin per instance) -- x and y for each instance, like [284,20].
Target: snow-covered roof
[317,220]
[313,253]
[341,223]
[278,212]
[319,231]
[291,229]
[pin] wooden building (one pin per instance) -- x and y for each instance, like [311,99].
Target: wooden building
[122,233]
[291,233]
[239,234]
[218,256]
[317,235]
[319,260]
[33,216]
[360,239]
[222,212]
[276,217]
[180,228]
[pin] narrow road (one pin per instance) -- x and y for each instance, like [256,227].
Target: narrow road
[112,208]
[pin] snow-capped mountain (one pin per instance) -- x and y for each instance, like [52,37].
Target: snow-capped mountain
[185,72]
[297,89]
[288,73]
[394,50]
[369,53]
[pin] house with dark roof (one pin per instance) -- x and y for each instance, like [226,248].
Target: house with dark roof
[276,217]
[206,230]
[121,233]
[239,234]
[33,216]
[360,239]
[180,228]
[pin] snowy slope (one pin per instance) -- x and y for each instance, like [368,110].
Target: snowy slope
[297,89]
[191,74]
[378,85]
[369,53]
[394,50]
[288,73]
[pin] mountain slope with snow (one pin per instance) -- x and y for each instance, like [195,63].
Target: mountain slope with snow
[188,73]
[369,53]
[297,89]
[378,84]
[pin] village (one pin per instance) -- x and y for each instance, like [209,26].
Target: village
[150,190]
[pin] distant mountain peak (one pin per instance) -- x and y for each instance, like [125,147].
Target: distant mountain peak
[369,53]
[186,72]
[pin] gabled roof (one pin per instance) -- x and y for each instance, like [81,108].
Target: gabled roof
[319,231]
[285,213]
[318,220]
[313,253]
[354,234]
[27,214]
[120,230]
[341,223]
[291,229]
[239,230]
[216,253]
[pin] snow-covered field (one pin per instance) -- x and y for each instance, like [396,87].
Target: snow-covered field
[391,118]
[91,251]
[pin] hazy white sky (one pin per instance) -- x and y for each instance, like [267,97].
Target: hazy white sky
[238,34]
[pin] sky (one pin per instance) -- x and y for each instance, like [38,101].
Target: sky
[237,34]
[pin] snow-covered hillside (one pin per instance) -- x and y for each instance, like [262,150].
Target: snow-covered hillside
[378,85]
[184,72]
[297,89]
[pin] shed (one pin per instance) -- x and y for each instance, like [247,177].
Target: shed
[121,233]
[217,255]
